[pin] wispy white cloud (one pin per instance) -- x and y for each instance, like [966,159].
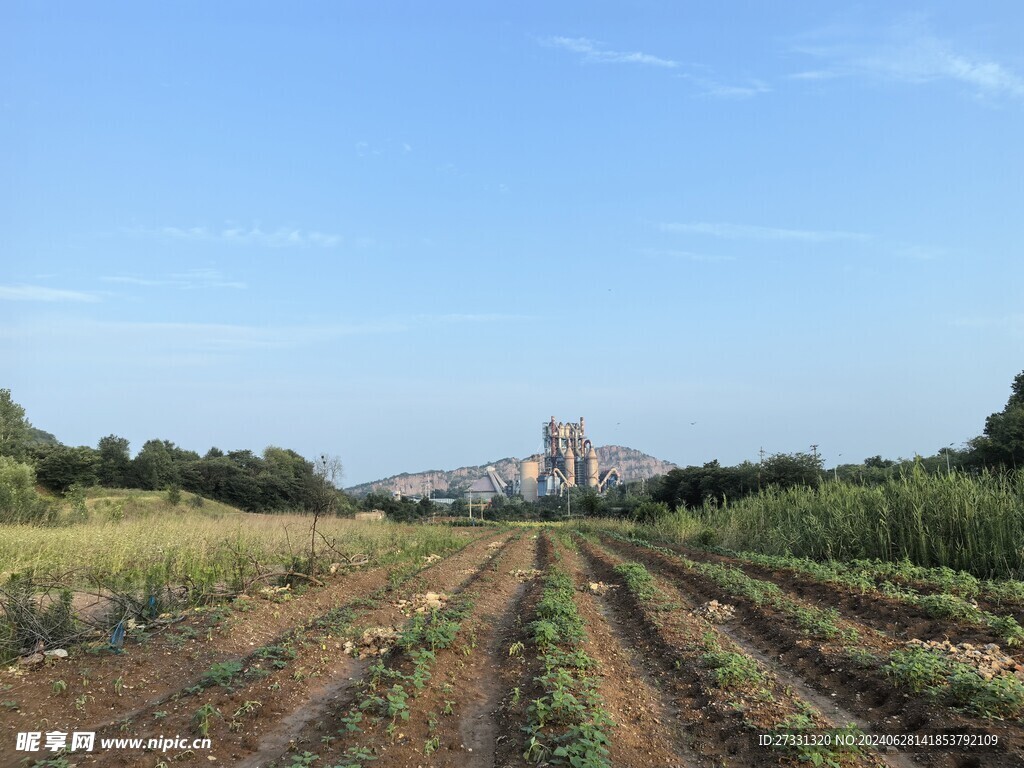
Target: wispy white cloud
[907,52]
[193,278]
[42,293]
[594,51]
[815,74]
[751,232]
[711,87]
[282,237]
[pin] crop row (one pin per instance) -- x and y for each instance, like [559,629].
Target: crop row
[567,722]
[962,686]
[731,681]
[823,623]
[938,605]
[391,683]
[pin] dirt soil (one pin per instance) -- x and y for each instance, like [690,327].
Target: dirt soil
[276,680]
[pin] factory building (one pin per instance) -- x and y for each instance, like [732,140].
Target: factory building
[569,460]
[488,486]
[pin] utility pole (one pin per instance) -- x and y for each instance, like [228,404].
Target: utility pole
[759,464]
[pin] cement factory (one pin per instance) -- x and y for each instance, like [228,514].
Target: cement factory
[569,460]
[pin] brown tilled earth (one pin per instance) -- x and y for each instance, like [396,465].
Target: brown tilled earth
[294,667]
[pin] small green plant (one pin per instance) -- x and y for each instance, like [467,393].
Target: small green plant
[396,703]
[304,760]
[431,745]
[1002,696]
[943,606]
[174,495]
[355,757]
[222,673]
[352,721]
[59,686]
[516,649]
[203,718]
[119,686]
[638,580]
[247,708]
[861,658]
[732,670]
[918,669]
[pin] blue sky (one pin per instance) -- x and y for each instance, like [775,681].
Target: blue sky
[407,234]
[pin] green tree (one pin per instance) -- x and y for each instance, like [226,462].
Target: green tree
[160,463]
[115,464]
[426,507]
[14,427]
[60,467]
[650,511]
[1003,441]
[787,470]
[153,468]
[19,502]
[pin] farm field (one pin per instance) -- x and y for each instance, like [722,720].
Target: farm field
[548,645]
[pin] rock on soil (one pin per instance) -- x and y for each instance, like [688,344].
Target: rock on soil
[524,576]
[272,592]
[376,641]
[988,659]
[715,612]
[429,601]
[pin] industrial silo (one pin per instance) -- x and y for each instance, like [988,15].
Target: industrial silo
[591,462]
[528,471]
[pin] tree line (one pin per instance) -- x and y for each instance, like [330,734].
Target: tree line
[277,480]
[280,479]
[999,448]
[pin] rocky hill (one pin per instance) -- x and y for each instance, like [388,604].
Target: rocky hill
[632,465]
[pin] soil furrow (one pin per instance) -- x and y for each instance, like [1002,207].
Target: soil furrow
[894,617]
[306,722]
[646,731]
[461,682]
[827,668]
[718,730]
[160,664]
[305,670]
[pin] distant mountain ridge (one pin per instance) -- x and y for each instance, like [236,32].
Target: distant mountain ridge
[632,465]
